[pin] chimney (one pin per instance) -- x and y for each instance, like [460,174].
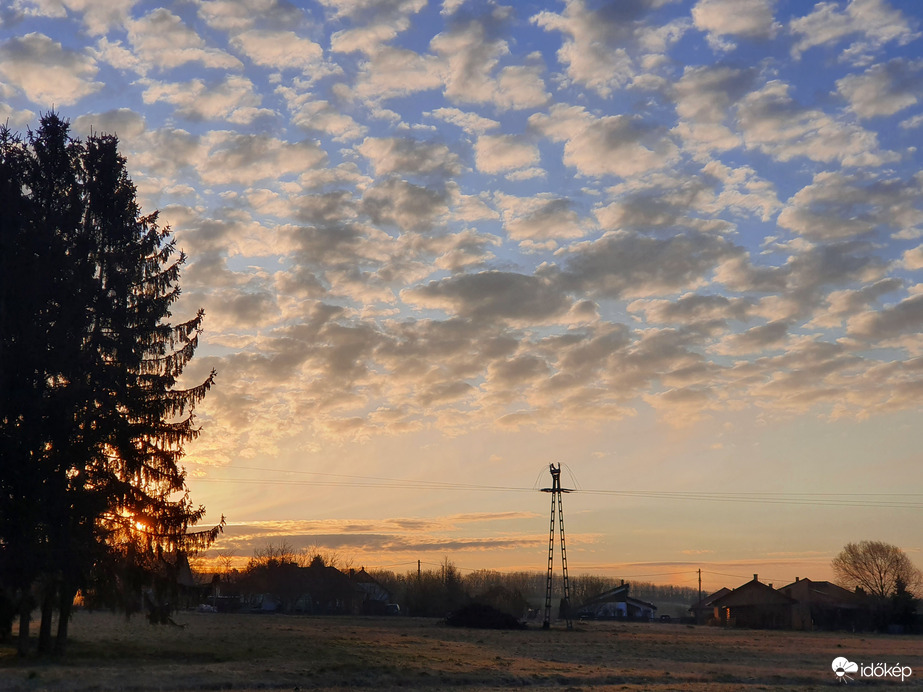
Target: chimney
[770,585]
[756,577]
[796,579]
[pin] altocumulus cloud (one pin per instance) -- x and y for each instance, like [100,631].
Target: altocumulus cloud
[406,216]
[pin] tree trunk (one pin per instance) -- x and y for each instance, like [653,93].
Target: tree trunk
[25,615]
[64,615]
[44,630]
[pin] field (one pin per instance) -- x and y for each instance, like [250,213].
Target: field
[248,652]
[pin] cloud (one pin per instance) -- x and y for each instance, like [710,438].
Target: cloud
[241,15]
[376,23]
[47,72]
[701,312]
[123,122]
[162,41]
[704,96]
[746,18]
[320,115]
[406,156]
[905,317]
[232,98]
[394,72]
[14,118]
[501,153]
[491,220]
[849,302]
[597,51]
[241,158]
[774,123]
[883,89]
[657,202]
[469,122]
[405,205]
[622,264]
[283,50]
[471,51]
[464,250]
[541,217]
[912,259]
[874,20]
[773,335]
[97,17]
[611,145]
[492,295]
[836,206]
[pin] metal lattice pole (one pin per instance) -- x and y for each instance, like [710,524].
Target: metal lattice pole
[565,603]
[556,498]
[547,622]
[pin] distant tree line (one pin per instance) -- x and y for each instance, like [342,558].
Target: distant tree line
[437,592]
[92,422]
[881,571]
[277,569]
[278,578]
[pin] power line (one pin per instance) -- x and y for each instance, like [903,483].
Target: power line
[868,499]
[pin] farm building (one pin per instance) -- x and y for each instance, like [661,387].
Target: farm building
[756,605]
[616,604]
[825,606]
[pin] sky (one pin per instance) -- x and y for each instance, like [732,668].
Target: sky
[673,246]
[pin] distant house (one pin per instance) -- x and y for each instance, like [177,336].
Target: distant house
[616,604]
[328,590]
[704,611]
[371,597]
[318,589]
[825,606]
[755,605]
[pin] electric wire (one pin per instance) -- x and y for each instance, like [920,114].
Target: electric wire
[866,499]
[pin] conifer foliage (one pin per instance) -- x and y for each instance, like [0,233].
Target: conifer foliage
[92,420]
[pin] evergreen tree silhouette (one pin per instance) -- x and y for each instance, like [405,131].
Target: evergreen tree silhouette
[93,425]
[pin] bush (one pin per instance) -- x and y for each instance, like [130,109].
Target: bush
[482,616]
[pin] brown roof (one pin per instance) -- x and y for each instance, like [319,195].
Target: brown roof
[820,591]
[709,600]
[754,592]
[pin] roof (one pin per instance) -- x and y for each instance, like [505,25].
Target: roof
[754,592]
[620,595]
[820,591]
[709,600]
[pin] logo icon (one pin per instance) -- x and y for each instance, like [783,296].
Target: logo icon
[841,666]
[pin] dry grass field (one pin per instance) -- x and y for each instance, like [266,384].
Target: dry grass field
[249,652]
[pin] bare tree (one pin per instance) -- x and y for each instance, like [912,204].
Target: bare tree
[274,554]
[876,568]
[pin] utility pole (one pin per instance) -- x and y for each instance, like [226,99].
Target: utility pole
[556,492]
[700,584]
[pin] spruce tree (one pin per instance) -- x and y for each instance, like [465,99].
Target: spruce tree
[93,437]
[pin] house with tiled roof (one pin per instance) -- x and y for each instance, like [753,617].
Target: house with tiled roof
[825,606]
[756,605]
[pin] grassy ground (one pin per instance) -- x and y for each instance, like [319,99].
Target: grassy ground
[246,652]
